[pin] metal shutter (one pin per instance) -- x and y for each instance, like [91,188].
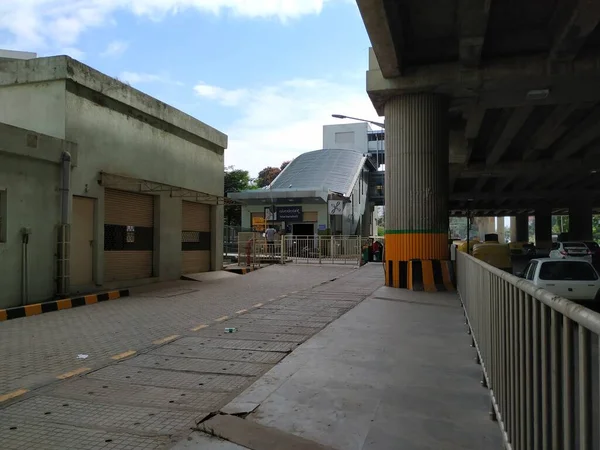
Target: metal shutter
[195,237]
[128,235]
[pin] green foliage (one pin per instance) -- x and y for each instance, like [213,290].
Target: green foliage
[266,176]
[236,180]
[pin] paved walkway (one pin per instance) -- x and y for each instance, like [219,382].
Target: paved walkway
[396,372]
[160,362]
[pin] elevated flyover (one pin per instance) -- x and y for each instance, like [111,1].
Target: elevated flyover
[490,106]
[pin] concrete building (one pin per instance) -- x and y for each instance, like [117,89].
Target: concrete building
[359,136]
[101,186]
[319,191]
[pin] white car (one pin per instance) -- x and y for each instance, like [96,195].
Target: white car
[564,250]
[573,279]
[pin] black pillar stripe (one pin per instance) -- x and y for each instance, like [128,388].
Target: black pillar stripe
[438,275]
[417,276]
[403,274]
[390,273]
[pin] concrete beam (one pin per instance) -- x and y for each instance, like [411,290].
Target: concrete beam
[549,194]
[472,24]
[583,134]
[501,83]
[552,129]
[517,119]
[510,169]
[573,22]
[386,46]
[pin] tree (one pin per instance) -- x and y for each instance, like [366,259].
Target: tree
[266,176]
[284,164]
[236,180]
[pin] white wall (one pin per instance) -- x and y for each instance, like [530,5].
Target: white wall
[343,131]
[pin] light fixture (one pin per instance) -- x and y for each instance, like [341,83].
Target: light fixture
[593,171]
[537,94]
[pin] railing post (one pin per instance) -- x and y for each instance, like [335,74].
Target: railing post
[319,247]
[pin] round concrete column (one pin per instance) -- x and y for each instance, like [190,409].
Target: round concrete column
[416,188]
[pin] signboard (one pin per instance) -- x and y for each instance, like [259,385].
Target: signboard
[335,207]
[258,223]
[322,227]
[289,213]
[270,215]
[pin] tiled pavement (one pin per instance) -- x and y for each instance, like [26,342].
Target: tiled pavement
[154,397]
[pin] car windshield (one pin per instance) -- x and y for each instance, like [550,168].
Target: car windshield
[568,270]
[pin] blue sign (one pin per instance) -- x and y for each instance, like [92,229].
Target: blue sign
[322,227]
[289,213]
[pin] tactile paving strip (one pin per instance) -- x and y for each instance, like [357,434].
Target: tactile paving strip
[276,322]
[197,365]
[102,415]
[299,313]
[166,378]
[291,317]
[273,328]
[239,344]
[27,434]
[220,354]
[138,395]
[254,336]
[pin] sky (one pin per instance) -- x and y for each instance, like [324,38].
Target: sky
[268,73]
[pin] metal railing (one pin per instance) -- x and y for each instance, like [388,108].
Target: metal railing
[539,355]
[255,251]
[322,249]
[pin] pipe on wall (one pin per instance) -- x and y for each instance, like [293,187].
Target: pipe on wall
[64,238]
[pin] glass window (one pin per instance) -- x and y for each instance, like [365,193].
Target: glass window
[531,272]
[568,270]
[574,244]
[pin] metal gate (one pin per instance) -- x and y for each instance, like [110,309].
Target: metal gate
[128,235]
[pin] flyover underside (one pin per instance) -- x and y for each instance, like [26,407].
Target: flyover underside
[522,83]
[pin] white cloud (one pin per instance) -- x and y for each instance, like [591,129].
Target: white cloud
[41,24]
[141,77]
[73,53]
[115,48]
[277,123]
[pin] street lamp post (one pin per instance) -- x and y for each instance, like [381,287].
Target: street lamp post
[341,116]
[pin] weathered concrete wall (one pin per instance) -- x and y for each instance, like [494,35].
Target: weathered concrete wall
[29,175]
[121,131]
[37,106]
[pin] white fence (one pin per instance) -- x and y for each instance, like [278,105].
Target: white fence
[254,250]
[539,355]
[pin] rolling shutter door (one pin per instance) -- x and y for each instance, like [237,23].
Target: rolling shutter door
[128,235]
[195,237]
[310,216]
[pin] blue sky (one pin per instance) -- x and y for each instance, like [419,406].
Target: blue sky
[269,73]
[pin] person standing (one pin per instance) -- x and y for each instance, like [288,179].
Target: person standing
[270,233]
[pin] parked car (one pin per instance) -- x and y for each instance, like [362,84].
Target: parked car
[595,249]
[573,279]
[564,250]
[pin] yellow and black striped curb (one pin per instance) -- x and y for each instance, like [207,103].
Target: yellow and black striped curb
[430,275]
[57,305]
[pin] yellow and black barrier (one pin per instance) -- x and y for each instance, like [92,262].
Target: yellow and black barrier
[58,305]
[430,275]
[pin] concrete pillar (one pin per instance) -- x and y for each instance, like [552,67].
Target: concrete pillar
[580,220]
[513,229]
[500,229]
[521,228]
[543,228]
[416,182]
[367,221]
